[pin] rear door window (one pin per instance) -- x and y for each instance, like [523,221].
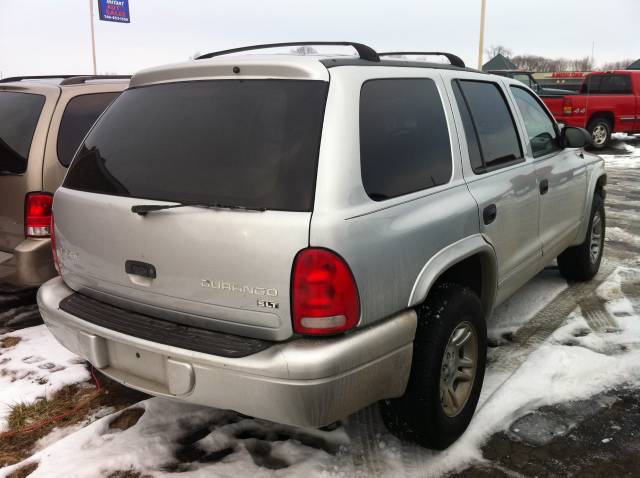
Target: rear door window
[248,143]
[19,115]
[404,138]
[615,85]
[491,126]
[79,115]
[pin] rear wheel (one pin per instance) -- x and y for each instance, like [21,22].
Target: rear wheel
[582,262]
[600,129]
[447,371]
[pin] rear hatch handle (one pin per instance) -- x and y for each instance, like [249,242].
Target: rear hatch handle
[144,209]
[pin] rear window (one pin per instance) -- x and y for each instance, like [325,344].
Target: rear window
[250,143]
[79,115]
[19,114]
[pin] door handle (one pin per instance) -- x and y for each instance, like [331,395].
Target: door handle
[489,214]
[544,186]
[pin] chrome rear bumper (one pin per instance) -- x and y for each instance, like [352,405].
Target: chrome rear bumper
[303,382]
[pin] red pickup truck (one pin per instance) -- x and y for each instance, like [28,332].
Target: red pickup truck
[608,102]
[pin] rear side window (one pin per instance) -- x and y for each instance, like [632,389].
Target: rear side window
[19,114]
[250,143]
[615,85]
[404,139]
[490,128]
[79,115]
[607,84]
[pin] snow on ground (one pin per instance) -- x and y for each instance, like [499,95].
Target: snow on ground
[576,362]
[37,366]
[529,300]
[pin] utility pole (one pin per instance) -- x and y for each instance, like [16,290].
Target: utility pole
[481,46]
[93,37]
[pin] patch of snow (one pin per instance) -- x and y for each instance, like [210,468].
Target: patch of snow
[620,235]
[526,303]
[38,366]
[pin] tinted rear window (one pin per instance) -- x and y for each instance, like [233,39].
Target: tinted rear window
[79,115]
[19,114]
[404,139]
[251,143]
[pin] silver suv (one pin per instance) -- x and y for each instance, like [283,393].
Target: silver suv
[42,122]
[298,237]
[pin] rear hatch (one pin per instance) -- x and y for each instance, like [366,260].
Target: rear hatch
[244,153]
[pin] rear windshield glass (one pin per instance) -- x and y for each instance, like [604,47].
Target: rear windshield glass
[19,114]
[250,143]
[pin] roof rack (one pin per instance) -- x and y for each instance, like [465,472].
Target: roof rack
[79,79]
[365,52]
[453,59]
[36,77]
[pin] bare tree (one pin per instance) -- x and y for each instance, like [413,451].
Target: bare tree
[495,50]
[581,64]
[616,65]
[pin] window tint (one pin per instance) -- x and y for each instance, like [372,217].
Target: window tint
[591,85]
[615,85]
[81,112]
[540,128]
[19,114]
[251,143]
[469,130]
[404,139]
[607,84]
[493,124]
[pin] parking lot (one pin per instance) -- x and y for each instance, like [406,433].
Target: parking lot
[560,394]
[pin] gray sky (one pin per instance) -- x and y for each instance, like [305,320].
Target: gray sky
[52,36]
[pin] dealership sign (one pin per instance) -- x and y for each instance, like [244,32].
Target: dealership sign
[114,10]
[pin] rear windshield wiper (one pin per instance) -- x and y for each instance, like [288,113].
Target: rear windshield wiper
[143,209]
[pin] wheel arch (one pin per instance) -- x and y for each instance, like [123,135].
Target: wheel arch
[597,183]
[470,262]
[608,115]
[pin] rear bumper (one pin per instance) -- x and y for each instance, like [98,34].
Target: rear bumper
[31,264]
[303,382]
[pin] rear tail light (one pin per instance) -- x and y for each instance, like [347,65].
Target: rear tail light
[567,106]
[37,214]
[325,296]
[56,260]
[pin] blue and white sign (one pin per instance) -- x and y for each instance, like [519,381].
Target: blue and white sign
[114,11]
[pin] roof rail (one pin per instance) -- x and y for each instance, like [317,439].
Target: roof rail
[453,59]
[365,52]
[79,79]
[36,77]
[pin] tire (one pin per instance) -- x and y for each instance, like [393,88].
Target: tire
[420,415]
[578,263]
[600,130]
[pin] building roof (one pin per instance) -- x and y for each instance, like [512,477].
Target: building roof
[635,65]
[499,62]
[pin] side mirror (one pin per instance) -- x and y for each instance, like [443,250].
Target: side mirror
[575,137]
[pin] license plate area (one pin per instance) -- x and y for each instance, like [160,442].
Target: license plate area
[135,361]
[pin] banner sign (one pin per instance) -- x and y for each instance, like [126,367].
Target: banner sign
[114,10]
